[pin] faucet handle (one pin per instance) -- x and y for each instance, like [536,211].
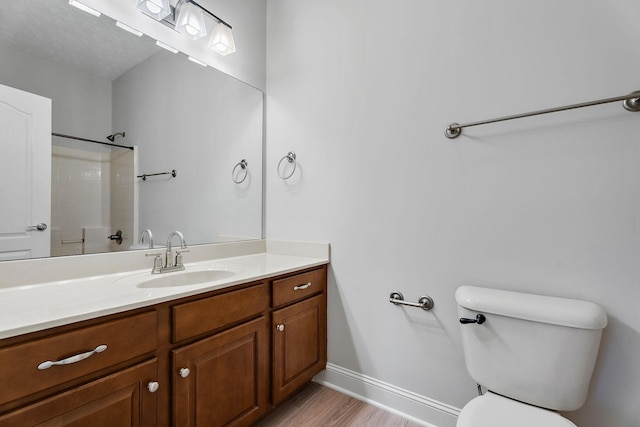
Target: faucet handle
[156,254]
[179,256]
[157,262]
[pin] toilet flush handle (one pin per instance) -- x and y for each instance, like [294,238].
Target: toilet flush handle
[480,319]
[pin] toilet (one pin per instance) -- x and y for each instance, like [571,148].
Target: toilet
[534,354]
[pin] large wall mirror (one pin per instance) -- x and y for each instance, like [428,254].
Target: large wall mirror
[192,137]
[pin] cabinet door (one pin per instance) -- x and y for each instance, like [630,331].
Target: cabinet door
[299,345]
[121,399]
[227,378]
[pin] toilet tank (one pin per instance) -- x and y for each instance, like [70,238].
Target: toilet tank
[537,349]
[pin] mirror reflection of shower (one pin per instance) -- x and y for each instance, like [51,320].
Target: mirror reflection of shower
[113,136]
[93,194]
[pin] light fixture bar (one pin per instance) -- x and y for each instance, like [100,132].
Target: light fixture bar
[129,29]
[170,20]
[84,8]
[208,13]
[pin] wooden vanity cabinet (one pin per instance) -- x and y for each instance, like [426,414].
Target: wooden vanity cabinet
[224,357]
[222,379]
[299,331]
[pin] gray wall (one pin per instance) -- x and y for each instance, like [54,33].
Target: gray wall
[81,103]
[362,91]
[200,122]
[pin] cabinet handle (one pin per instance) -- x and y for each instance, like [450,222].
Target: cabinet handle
[153,386]
[72,359]
[184,372]
[302,287]
[280,327]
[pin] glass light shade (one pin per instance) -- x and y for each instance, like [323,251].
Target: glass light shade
[157,9]
[191,21]
[222,40]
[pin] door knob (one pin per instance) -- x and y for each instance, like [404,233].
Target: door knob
[280,327]
[40,227]
[184,372]
[153,386]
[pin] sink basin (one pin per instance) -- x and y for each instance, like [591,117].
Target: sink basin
[187,278]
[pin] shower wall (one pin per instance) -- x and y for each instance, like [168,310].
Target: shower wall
[79,201]
[92,196]
[123,205]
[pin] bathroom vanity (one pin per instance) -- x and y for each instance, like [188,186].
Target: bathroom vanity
[219,353]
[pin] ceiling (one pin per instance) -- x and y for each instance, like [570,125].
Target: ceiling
[55,31]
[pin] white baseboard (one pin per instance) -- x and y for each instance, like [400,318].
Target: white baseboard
[417,408]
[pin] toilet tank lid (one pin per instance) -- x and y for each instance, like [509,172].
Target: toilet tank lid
[536,308]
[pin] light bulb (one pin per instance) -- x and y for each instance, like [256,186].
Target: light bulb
[152,7]
[191,30]
[157,9]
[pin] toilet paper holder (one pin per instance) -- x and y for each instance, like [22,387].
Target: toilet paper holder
[425,302]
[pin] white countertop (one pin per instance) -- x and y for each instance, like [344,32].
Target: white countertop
[33,307]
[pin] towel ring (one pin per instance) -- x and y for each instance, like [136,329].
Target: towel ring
[243,165]
[291,158]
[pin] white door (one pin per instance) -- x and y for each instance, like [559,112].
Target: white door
[25,174]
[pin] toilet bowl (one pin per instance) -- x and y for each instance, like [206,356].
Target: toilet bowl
[493,410]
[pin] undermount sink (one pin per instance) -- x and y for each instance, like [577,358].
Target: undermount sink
[187,278]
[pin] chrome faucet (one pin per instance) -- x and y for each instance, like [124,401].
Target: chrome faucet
[149,235]
[171,262]
[177,262]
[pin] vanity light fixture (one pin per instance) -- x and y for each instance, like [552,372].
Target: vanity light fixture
[222,40]
[129,29]
[84,8]
[157,9]
[187,17]
[166,47]
[190,21]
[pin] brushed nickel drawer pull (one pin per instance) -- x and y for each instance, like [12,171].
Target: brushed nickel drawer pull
[72,359]
[302,287]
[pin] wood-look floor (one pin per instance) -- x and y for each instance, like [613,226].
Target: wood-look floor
[319,406]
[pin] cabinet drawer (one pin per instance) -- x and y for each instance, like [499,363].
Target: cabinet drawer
[121,399]
[198,317]
[124,339]
[298,287]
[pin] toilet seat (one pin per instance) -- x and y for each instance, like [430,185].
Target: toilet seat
[492,410]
